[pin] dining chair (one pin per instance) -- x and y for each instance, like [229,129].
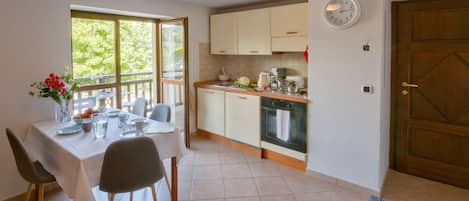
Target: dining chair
[130,165]
[139,107]
[32,172]
[161,112]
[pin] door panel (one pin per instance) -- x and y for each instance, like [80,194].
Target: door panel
[432,111]
[174,73]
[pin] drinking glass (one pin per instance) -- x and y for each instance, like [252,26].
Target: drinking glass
[123,118]
[100,124]
[139,125]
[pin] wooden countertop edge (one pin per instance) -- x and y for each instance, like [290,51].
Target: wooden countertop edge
[205,85]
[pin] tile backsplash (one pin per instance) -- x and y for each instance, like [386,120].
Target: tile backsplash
[251,66]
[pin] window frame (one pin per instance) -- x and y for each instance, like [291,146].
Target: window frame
[116,19]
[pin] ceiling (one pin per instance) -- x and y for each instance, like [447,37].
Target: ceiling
[227,3]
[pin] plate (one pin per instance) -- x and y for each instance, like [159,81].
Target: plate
[69,130]
[113,113]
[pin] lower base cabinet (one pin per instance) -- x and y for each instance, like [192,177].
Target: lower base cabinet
[242,118]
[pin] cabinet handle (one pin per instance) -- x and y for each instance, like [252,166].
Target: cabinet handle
[241,97]
[253,51]
[222,51]
[210,92]
[291,32]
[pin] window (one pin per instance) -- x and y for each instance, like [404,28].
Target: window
[114,60]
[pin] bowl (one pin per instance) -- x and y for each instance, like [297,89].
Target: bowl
[223,77]
[81,121]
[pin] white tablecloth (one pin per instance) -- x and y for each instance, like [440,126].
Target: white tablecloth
[76,160]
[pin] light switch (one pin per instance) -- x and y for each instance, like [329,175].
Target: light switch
[367,89]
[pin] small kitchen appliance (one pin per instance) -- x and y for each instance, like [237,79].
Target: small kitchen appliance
[279,75]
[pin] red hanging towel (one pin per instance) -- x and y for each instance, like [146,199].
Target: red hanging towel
[305,54]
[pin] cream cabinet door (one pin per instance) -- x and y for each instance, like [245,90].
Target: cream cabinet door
[224,34]
[289,20]
[211,111]
[243,118]
[254,32]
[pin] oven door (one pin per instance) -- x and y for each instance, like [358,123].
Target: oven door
[297,138]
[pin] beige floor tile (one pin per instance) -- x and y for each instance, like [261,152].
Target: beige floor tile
[227,149]
[233,158]
[185,173]
[207,189]
[207,172]
[236,171]
[349,195]
[279,198]
[243,199]
[323,196]
[306,184]
[186,161]
[240,188]
[272,186]
[207,159]
[264,169]
[184,190]
[250,158]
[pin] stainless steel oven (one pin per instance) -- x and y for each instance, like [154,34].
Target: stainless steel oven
[283,123]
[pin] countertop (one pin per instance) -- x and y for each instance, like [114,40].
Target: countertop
[268,94]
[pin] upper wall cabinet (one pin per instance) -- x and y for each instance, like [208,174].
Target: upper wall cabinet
[224,34]
[254,32]
[289,26]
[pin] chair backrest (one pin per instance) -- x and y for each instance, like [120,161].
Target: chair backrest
[129,165]
[161,112]
[140,106]
[24,164]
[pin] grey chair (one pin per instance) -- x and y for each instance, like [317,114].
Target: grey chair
[129,165]
[31,171]
[140,106]
[161,112]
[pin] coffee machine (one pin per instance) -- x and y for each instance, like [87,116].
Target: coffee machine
[279,76]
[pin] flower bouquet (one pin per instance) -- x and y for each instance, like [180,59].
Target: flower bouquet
[60,89]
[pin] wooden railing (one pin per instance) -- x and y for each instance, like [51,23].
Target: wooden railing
[172,92]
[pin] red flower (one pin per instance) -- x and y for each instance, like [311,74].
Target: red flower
[62,84]
[62,91]
[51,75]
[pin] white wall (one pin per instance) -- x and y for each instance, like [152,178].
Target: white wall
[35,40]
[348,130]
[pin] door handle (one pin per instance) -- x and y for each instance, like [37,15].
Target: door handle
[406,84]
[254,51]
[241,97]
[291,32]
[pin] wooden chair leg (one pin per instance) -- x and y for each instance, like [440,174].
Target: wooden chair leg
[153,192]
[40,192]
[27,196]
[131,196]
[111,196]
[165,175]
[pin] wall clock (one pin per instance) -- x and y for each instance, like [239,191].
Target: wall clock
[342,14]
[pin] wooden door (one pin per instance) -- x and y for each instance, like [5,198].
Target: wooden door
[431,89]
[224,34]
[254,32]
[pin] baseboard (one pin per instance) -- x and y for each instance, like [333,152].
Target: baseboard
[47,188]
[263,153]
[343,183]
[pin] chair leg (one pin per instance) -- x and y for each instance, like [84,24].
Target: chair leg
[153,192]
[165,175]
[131,196]
[111,196]
[27,196]
[40,192]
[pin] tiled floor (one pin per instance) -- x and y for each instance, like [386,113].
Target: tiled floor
[213,171]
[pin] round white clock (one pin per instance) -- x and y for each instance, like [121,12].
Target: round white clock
[342,14]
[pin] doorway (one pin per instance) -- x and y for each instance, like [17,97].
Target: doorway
[118,59]
[430,90]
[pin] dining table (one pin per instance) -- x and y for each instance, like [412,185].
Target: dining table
[75,160]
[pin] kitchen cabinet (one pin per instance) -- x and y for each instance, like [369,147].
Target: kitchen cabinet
[224,34]
[254,32]
[211,111]
[289,27]
[242,118]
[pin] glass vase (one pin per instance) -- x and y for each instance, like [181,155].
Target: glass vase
[62,112]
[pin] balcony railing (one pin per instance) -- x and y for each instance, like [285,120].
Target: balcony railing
[133,86]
